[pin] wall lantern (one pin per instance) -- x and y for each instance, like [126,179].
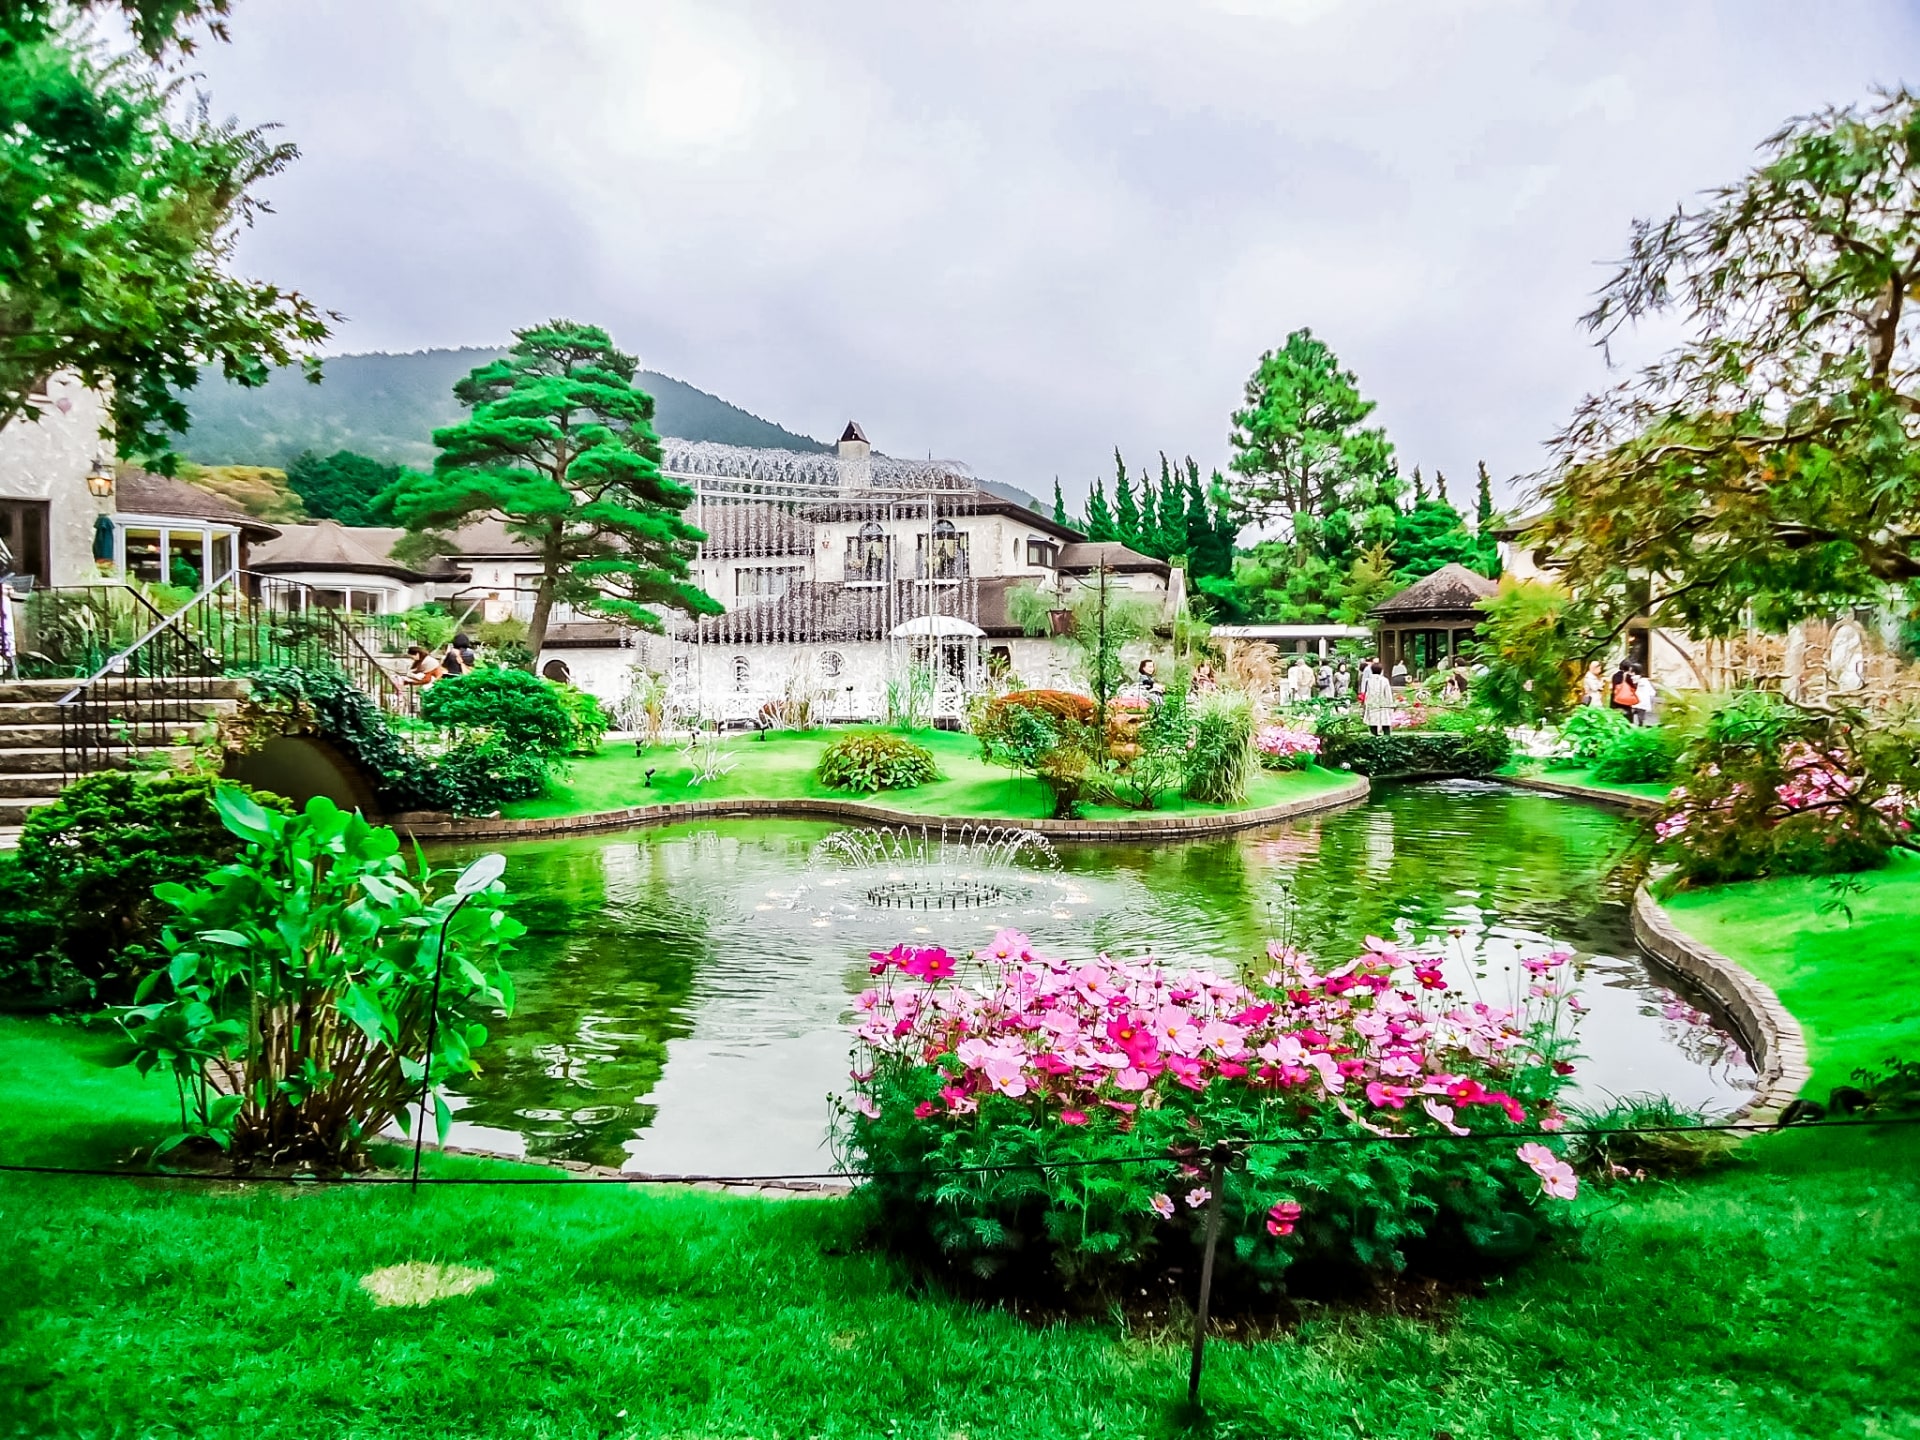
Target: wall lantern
[100,479]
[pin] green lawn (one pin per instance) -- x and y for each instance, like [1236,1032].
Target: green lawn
[1851,984]
[1772,1300]
[781,766]
[1581,776]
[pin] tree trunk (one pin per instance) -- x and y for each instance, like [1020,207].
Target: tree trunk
[537,626]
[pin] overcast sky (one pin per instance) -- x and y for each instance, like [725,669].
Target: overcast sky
[1019,233]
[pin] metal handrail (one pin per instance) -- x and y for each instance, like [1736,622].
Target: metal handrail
[172,674]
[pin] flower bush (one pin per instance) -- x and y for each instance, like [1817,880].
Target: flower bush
[990,1095]
[1050,734]
[1464,741]
[1770,789]
[1282,749]
[868,760]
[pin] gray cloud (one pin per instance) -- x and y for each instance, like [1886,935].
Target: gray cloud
[1021,234]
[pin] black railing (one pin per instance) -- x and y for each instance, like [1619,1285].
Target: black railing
[165,688]
[67,632]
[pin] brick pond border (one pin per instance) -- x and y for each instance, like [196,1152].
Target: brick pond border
[421,825]
[1773,1038]
[1622,800]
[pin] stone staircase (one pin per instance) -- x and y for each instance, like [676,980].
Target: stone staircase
[32,764]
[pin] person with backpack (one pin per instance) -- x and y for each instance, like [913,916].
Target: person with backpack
[1626,694]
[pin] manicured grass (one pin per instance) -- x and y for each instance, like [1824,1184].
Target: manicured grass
[1583,777]
[1772,1300]
[781,767]
[1851,984]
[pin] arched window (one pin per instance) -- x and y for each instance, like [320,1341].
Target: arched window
[742,672]
[556,670]
[831,664]
[867,553]
[944,553]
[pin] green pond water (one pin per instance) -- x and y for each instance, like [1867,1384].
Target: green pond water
[683,992]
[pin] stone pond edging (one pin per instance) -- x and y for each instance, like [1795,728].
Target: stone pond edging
[426,826]
[1623,800]
[1772,1036]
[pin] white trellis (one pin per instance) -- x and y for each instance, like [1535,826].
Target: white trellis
[849,584]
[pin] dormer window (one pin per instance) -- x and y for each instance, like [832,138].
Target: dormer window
[1042,553]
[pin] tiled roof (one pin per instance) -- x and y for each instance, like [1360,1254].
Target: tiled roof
[1450,590]
[1108,555]
[138,492]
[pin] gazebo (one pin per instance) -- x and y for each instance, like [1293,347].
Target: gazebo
[1430,620]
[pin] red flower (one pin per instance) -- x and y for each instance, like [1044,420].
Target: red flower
[1281,1218]
[924,1110]
[1430,977]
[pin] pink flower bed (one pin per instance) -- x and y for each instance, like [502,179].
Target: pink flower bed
[1017,1053]
[1282,749]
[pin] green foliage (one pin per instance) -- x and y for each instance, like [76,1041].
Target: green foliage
[1770,789]
[865,761]
[1219,750]
[78,921]
[560,447]
[118,212]
[1533,641]
[1429,534]
[586,716]
[1637,755]
[1647,1137]
[472,776]
[308,975]
[1306,457]
[523,710]
[1766,468]
[1586,732]
[1464,742]
[1050,734]
[342,486]
[429,625]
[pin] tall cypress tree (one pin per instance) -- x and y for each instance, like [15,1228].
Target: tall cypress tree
[1200,547]
[1419,485]
[1173,509]
[1126,508]
[1149,541]
[1486,545]
[1440,487]
[1099,516]
[1483,499]
[1059,504]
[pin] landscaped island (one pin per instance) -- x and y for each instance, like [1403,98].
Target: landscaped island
[783,765]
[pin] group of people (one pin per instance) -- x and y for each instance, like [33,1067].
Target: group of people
[424,667]
[1373,684]
[1628,691]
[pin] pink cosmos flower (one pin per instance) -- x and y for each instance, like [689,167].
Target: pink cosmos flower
[1429,977]
[1073,1117]
[1537,1157]
[1560,1182]
[924,1110]
[1009,945]
[1198,1196]
[1131,1079]
[929,964]
[1162,1206]
[1282,1218]
[864,1104]
[1443,1114]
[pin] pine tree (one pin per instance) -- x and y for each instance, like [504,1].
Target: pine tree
[1099,516]
[560,448]
[1486,543]
[1440,487]
[1059,504]
[1173,508]
[1200,547]
[1419,486]
[1483,495]
[1126,508]
[1148,540]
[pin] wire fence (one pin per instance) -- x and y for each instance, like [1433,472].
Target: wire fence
[1193,1155]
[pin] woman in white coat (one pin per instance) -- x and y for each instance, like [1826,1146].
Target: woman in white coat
[1376,699]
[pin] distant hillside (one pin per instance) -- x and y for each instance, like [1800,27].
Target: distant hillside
[387,406]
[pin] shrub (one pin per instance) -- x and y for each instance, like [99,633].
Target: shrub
[1147,746]
[865,761]
[472,776]
[1020,1062]
[521,709]
[305,975]
[1049,734]
[587,717]
[1461,742]
[429,625]
[1770,789]
[78,919]
[1647,1137]
[1587,732]
[1282,749]
[1220,757]
[1642,755]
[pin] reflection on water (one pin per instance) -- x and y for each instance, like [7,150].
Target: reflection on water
[683,991]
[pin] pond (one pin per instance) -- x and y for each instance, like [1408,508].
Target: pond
[683,991]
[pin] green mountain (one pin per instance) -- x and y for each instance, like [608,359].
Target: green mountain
[387,406]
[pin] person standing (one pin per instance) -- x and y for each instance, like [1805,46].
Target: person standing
[1343,682]
[1300,679]
[1323,680]
[1625,694]
[1376,699]
[1593,685]
[1644,700]
[1400,675]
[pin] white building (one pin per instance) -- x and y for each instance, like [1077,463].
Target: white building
[56,485]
